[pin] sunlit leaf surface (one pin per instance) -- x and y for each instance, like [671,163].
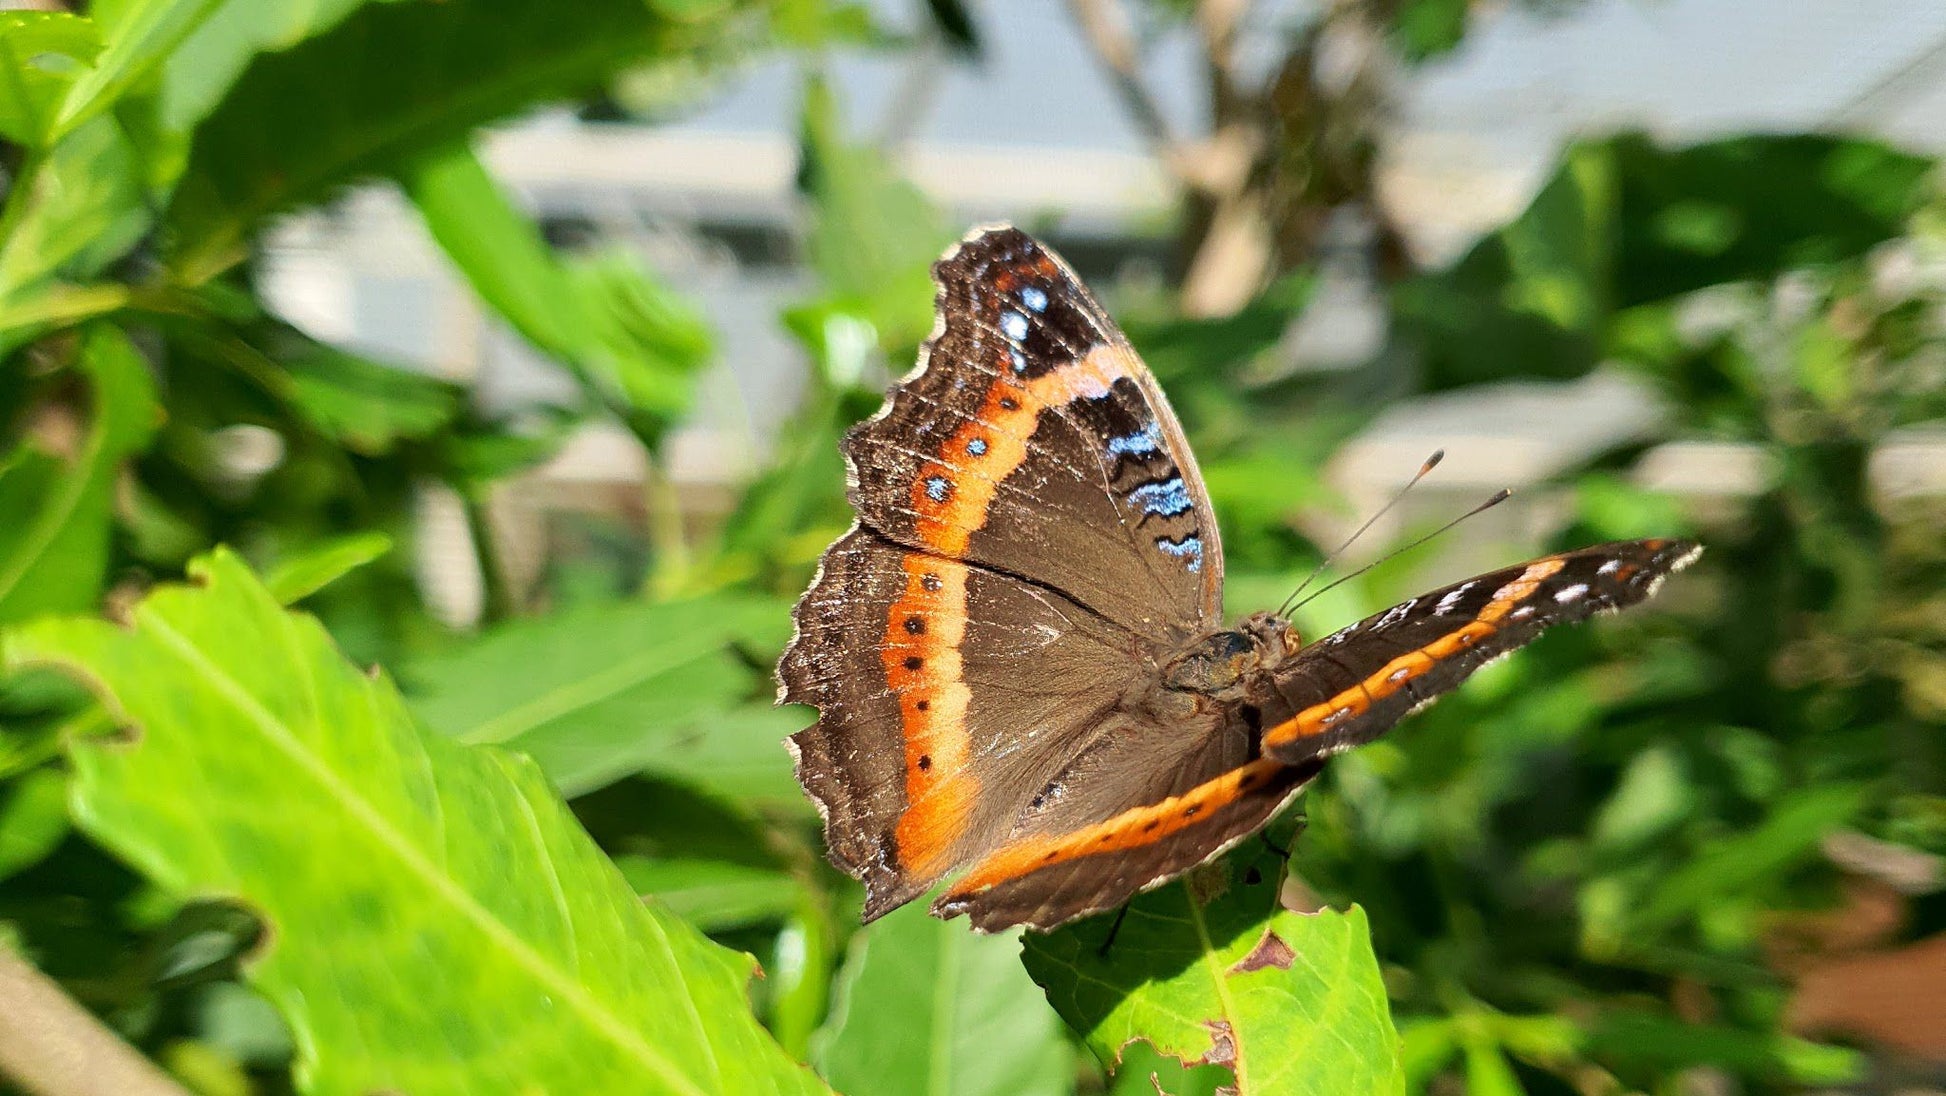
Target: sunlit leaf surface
[434,919]
[1213,970]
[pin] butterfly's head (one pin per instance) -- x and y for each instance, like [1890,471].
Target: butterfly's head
[1226,661]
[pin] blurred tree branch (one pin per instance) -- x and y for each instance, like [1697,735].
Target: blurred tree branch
[1283,157]
[53,1046]
[1105,25]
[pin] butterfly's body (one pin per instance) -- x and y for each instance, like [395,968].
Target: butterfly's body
[1018,654]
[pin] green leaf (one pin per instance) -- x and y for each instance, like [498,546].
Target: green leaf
[41,53]
[623,334]
[874,235]
[1213,970]
[262,767]
[137,36]
[1653,796]
[56,509]
[83,202]
[714,895]
[315,566]
[925,1005]
[383,86]
[1788,836]
[365,405]
[1487,1070]
[597,694]
[199,70]
[1424,29]
[76,207]
[1645,1037]
[33,818]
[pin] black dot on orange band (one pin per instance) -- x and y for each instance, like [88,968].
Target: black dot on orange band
[925,762]
[913,662]
[922,705]
[1008,403]
[914,626]
[929,580]
[1051,855]
[1151,824]
[1190,811]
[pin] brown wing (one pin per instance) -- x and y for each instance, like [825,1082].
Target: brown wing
[1032,440]
[948,697]
[1051,878]
[1353,685]
[1031,528]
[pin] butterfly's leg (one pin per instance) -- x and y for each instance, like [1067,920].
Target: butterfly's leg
[1102,951]
[1297,827]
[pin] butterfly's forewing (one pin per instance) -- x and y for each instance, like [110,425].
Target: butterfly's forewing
[1355,684]
[1032,440]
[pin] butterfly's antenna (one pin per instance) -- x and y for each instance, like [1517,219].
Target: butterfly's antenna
[1432,462]
[1499,497]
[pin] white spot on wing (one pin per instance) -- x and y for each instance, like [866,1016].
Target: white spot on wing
[1396,613]
[1014,325]
[1570,593]
[1452,599]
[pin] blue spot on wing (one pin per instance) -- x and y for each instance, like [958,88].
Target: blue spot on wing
[1014,325]
[937,488]
[1034,299]
[1141,443]
[1170,496]
[1189,549]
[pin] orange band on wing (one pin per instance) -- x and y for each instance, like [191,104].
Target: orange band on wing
[924,627]
[1128,830]
[921,654]
[951,494]
[1393,676]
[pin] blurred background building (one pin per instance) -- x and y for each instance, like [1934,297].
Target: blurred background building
[1036,132]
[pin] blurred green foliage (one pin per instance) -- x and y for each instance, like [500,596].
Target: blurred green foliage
[1580,871]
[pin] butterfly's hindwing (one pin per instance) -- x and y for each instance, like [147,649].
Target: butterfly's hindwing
[1053,878]
[947,695]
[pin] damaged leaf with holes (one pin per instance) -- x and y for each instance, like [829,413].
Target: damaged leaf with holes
[1214,970]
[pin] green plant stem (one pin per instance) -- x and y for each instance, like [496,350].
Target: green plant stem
[669,565]
[803,981]
[54,1047]
[497,602]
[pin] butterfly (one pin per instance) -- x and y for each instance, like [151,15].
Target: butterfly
[1018,654]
